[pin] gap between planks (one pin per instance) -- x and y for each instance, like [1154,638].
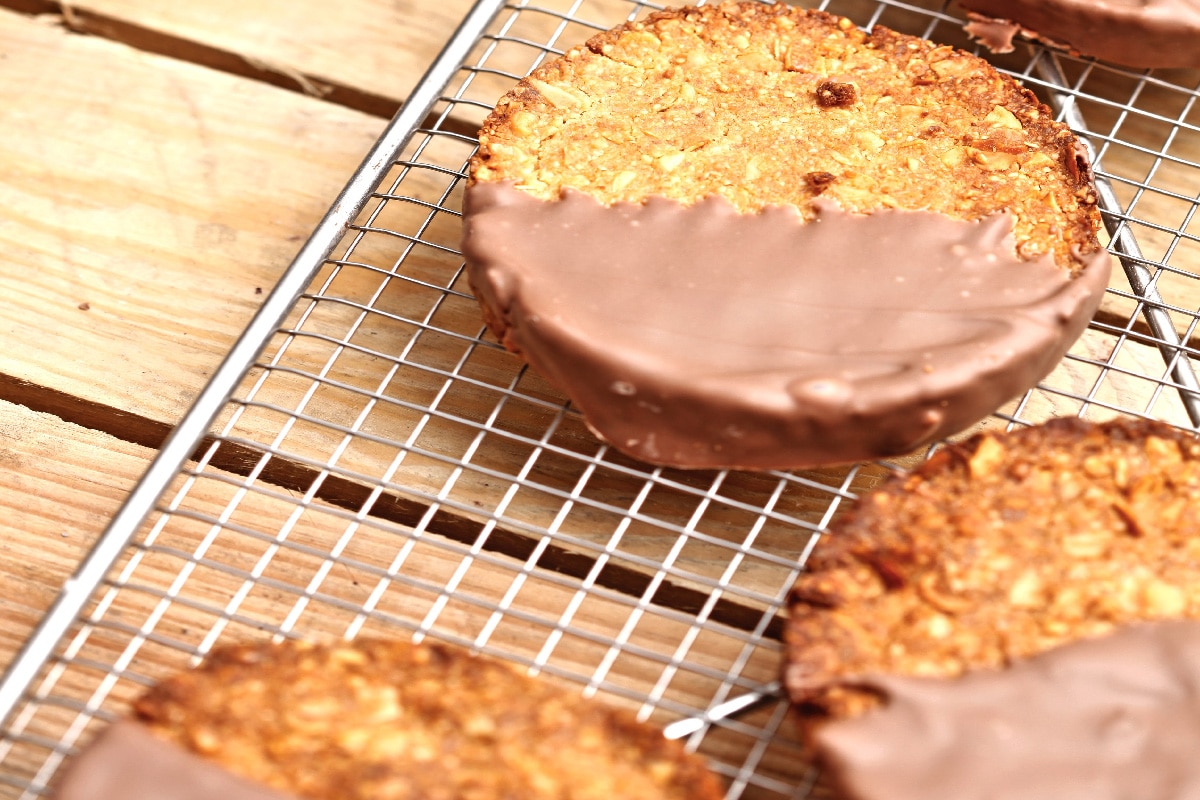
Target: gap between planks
[92,23]
[350,495]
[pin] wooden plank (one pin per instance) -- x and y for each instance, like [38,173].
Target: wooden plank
[148,204]
[365,54]
[59,484]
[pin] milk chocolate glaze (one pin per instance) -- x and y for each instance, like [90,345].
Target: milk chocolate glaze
[127,762]
[1112,718]
[1136,33]
[700,337]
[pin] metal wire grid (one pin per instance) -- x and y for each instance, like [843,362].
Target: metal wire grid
[384,468]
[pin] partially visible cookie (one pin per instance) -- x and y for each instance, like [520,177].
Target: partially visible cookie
[1147,33]
[1107,718]
[387,720]
[997,549]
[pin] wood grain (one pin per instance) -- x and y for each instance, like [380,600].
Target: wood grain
[363,54]
[148,204]
[59,484]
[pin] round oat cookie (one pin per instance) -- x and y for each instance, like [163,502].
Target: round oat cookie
[388,720]
[751,235]
[996,549]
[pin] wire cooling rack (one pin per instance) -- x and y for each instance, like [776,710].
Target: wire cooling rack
[368,461]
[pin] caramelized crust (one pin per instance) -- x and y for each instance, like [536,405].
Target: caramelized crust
[995,549]
[388,720]
[771,105]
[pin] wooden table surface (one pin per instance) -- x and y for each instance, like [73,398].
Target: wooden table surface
[160,165]
[144,150]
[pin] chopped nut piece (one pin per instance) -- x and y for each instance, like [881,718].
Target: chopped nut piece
[1086,544]
[831,94]
[670,161]
[1028,590]
[524,122]
[986,458]
[754,167]
[622,180]
[559,96]
[1039,161]
[869,140]
[1003,118]
[994,161]
[204,740]
[952,68]
[1164,450]
[1164,600]
[953,156]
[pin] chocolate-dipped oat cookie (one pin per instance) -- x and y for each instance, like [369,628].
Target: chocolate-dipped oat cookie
[755,236]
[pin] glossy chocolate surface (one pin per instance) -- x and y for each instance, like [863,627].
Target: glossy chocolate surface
[127,762]
[1103,719]
[700,337]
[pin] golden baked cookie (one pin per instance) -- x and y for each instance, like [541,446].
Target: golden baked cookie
[996,549]
[385,720]
[754,236]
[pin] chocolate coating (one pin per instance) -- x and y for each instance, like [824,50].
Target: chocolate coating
[700,337]
[1136,33]
[1103,719]
[127,762]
